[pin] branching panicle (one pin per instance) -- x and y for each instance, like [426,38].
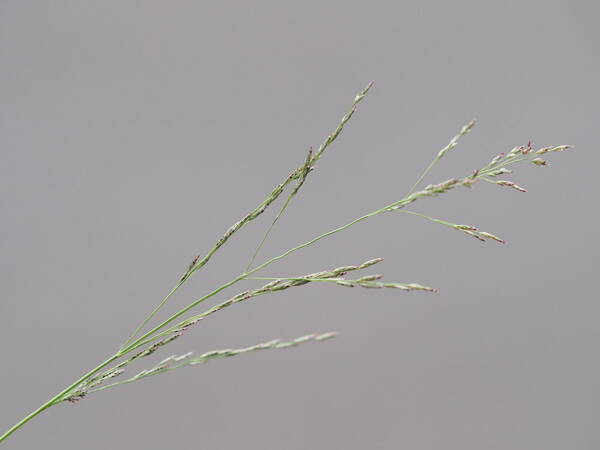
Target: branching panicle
[174,326]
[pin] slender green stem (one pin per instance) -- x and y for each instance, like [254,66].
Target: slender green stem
[268,232]
[433,219]
[179,313]
[153,313]
[453,142]
[424,174]
[314,240]
[57,398]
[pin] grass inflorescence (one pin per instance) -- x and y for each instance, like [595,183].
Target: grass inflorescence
[142,343]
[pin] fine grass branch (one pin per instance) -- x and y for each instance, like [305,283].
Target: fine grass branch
[187,359]
[142,343]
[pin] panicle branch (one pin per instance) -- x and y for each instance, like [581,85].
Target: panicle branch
[175,362]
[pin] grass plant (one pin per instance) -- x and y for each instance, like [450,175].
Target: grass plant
[145,340]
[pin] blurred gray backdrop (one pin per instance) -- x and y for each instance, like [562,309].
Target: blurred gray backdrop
[133,133]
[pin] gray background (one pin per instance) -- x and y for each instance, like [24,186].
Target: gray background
[134,133]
